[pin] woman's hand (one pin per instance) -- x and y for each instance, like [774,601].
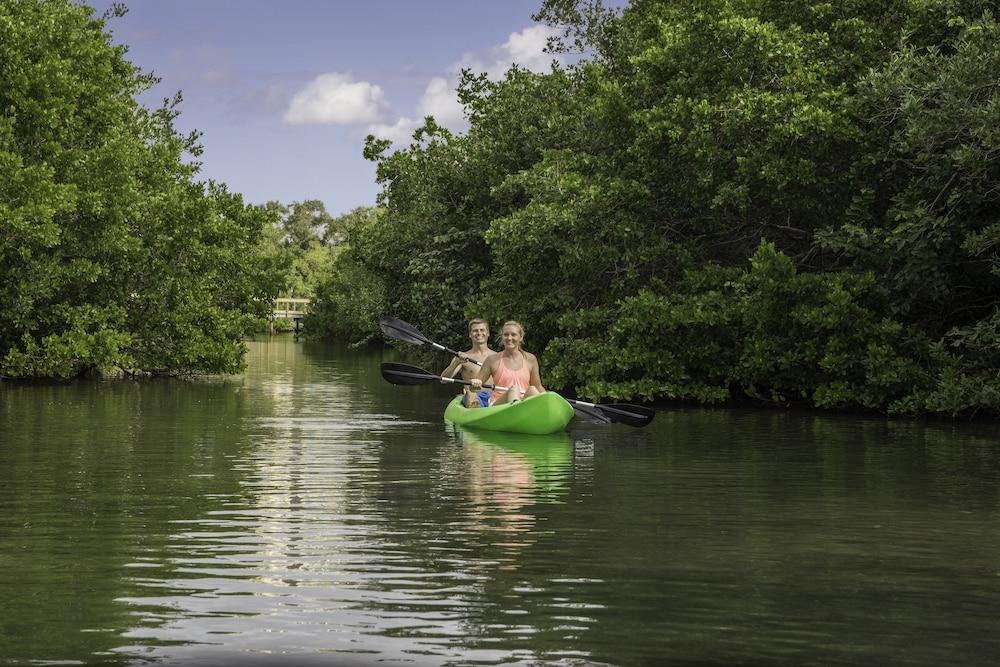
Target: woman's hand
[476,384]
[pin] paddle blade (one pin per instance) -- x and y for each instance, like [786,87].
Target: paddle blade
[590,415]
[626,413]
[405,374]
[401,330]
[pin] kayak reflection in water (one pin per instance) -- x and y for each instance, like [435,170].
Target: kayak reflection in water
[479,334]
[512,367]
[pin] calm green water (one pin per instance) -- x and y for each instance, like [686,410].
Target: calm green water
[310,513]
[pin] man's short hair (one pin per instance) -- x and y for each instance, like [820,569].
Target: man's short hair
[479,320]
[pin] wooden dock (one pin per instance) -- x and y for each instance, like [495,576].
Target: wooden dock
[290,309]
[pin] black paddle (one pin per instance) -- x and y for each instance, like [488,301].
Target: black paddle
[400,330]
[625,413]
[405,374]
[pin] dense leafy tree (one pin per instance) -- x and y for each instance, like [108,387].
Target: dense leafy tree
[793,202]
[351,297]
[302,237]
[112,255]
[427,245]
[928,222]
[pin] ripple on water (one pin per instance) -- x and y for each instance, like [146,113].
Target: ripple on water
[310,515]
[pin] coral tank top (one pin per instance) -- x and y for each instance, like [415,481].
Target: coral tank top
[504,377]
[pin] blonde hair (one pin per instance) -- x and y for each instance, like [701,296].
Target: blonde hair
[512,323]
[479,320]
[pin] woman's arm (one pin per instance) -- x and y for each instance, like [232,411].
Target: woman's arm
[486,371]
[536,376]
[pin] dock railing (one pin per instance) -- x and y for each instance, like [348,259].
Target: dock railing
[290,309]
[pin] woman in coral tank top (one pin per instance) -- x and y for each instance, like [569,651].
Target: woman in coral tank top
[511,367]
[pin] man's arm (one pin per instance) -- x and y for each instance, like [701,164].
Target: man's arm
[453,368]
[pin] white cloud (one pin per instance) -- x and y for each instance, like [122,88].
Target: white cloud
[223,73]
[336,99]
[441,101]
[400,132]
[525,48]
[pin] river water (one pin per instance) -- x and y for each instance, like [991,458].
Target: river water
[307,512]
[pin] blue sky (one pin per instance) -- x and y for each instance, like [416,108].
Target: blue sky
[285,92]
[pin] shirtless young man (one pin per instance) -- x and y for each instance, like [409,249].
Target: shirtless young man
[479,334]
[512,367]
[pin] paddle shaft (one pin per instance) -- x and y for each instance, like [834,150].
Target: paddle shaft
[608,408]
[450,351]
[429,376]
[484,386]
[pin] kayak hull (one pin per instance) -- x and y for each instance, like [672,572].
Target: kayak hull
[543,413]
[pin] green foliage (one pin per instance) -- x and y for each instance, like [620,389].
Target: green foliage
[427,243]
[792,202]
[111,254]
[820,338]
[966,378]
[560,239]
[932,230]
[350,298]
[301,241]
[282,325]
[744,120]
[584,24]
[928,228]
[767,331]
[652,346]
[348,305]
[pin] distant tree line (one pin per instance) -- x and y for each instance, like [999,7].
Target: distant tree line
[306,240]
[795,202]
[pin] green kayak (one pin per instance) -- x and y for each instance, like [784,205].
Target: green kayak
[544,413]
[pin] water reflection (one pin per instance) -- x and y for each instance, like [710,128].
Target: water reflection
[340,542]
[288,566]
[309,513]
[512,470]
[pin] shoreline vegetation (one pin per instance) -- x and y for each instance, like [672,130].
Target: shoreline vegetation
[790,204]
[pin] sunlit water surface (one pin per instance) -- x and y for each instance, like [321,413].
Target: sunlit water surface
[307,512]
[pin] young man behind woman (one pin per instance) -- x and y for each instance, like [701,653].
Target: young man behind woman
[479,334]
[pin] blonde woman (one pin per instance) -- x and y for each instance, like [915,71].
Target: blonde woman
[511,367]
